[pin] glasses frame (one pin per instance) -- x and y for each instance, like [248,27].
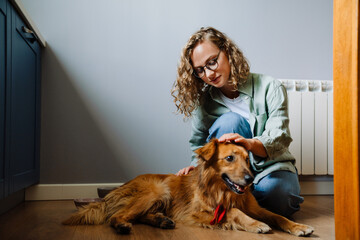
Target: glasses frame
[206,66]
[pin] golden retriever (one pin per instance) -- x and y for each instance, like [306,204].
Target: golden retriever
[215,194]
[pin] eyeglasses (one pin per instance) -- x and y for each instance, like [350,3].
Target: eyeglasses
[212,65]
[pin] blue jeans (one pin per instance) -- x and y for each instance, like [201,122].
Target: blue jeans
[278,191]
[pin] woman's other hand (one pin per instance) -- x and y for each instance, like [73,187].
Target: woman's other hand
[185,171]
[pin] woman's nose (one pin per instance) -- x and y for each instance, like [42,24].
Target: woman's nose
[209,73]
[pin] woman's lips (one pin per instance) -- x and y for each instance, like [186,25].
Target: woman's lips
[216,79]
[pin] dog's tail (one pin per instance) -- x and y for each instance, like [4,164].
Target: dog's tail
[91,214]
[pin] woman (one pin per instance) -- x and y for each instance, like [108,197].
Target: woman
[214,86]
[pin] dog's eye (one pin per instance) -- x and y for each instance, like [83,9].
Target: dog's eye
[230,158]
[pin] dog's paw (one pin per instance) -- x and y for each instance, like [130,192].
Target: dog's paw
[122,228]
[257,227]
[167,223]
[301,230]
[162,221]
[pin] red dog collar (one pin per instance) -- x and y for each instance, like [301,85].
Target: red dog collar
[219,214]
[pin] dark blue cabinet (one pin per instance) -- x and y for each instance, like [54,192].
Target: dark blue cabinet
[3,27]
[20,104]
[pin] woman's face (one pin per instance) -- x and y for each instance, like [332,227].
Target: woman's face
[204,54]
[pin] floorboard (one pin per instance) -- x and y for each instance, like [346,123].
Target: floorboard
[42,220]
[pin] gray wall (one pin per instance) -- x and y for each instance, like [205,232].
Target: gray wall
[107,113]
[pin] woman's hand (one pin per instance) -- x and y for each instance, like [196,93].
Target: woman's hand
[237,138]
[185,171]
[254,145]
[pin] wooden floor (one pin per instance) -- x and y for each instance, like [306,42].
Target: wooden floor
[42,220]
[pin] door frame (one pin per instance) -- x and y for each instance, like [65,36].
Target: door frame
[346,119]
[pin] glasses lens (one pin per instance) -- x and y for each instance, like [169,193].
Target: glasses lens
[212,65]
[199,72]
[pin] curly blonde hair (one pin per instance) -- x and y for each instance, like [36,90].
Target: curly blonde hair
[188,90]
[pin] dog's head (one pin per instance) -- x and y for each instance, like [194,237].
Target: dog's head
[230,162]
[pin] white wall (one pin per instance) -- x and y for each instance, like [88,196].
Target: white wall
[107,113]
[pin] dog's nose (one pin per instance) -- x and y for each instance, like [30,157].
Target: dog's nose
[248,179]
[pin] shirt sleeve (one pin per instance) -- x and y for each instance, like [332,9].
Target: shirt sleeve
[276,135]
[198,134]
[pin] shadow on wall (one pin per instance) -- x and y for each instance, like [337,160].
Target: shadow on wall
[73,147]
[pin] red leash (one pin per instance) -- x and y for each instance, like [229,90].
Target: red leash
[219,214]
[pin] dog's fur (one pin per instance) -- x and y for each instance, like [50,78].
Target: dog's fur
[162,200]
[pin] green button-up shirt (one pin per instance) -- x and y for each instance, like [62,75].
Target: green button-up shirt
[269,122]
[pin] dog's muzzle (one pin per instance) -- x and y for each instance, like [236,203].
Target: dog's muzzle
[237,188]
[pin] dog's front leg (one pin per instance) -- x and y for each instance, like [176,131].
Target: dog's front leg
[283,223]
[235,219]
[202,218]
[238,220]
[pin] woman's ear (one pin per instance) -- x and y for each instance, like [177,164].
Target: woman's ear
[207,152]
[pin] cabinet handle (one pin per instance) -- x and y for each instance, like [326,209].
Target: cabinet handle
[27,30]
[31,39]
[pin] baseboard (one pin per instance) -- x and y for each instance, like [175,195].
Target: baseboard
[64,191]
[317,187]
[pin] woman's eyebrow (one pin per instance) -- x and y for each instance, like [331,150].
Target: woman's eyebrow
[211,57]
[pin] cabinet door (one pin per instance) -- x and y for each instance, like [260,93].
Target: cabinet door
[3,27]
[23,113]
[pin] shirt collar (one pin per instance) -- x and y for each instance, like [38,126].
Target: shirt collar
[246,88]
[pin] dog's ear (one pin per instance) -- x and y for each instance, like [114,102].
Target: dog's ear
[207,152]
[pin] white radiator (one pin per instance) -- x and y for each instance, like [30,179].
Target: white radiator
[311,125]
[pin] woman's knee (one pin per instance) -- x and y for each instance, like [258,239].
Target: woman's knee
[230,123]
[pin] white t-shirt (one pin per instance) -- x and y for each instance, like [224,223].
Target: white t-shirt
[237,105]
